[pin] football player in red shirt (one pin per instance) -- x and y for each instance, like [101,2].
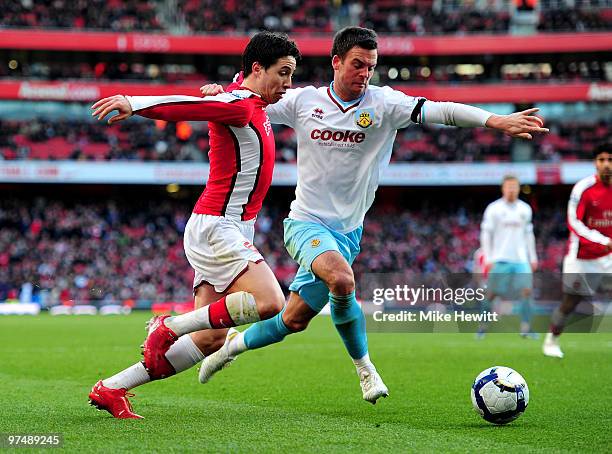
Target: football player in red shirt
[587,266]
[233,285]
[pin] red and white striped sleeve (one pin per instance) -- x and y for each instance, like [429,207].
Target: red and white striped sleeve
[576,208]
[225,108]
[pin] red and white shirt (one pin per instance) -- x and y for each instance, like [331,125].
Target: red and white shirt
[589,217]
[241,147]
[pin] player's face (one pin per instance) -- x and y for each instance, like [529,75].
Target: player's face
[510,190]
[353,73]
[276,80]
[603,164]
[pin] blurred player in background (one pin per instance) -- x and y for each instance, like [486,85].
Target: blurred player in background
[509,250]
[587,266]
[345,134]
[233,285]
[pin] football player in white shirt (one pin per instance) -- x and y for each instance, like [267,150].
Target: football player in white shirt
[345,134]
[508,244]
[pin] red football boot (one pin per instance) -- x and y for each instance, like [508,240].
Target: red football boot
[113,401]
[159,340]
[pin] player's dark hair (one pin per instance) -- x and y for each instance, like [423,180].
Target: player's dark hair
[266,48]
[349,37]
[602,148]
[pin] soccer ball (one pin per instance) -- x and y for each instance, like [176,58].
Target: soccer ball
[500,394]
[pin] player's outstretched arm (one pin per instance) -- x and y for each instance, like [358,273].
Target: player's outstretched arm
[519,124]
[105,106]
[222,109]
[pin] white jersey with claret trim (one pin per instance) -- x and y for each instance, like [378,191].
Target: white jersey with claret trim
[343,148]
[507,232]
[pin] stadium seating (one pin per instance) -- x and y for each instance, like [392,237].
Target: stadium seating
[51,243]
[150,141]
[574,69]
[416,17]
[117,15]
[104,252]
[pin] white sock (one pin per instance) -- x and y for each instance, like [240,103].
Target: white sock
[189,322]
[129,378]
[240,306]
[184,354]
[364,363]
[237,345]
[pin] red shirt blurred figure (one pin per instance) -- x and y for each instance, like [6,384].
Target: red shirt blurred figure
[587,267]
[65,298]
[589,218]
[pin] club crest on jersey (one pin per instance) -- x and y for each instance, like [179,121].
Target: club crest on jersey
[317,112]
[364,118]
[315,243]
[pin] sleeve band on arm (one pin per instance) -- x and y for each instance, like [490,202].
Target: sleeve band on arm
[416,112]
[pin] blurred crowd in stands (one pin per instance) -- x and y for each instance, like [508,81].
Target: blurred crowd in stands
[59,252]
[103,71]
[185,141]
[55,252]
[297,16]
[576,19]
[386,73]
[116,15]
[88,140]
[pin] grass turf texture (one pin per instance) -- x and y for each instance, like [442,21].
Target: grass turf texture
[303,394]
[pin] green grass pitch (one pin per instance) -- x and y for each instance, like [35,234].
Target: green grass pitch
[302,395]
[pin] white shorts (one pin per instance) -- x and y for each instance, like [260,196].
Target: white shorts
[219,249]
[585,277]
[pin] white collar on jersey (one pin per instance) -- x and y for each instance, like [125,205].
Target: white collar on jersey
[244,92]
[344,104]
[510,204]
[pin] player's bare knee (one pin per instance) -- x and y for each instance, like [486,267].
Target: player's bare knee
[526,292]
[296,325]
[270,304]
[341,282]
